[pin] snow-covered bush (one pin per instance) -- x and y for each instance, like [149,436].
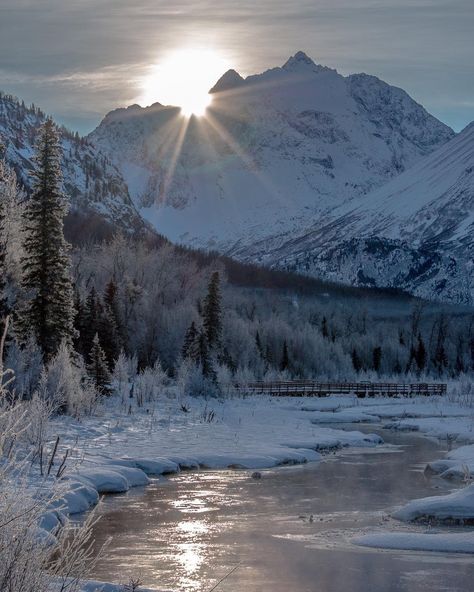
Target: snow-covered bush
[65,384]
[149,383]
[225,380]
[461,391]
[27,364]
[191,382]
[121,378]
[31,558]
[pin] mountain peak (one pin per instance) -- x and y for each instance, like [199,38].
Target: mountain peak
[299,58]
[302,62]
[231,79]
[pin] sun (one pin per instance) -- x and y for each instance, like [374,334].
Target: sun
[183,78]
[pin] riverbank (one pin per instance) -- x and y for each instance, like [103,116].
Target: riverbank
[123,446]
[290,530]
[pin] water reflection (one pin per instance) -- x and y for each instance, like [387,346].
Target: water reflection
[187,533]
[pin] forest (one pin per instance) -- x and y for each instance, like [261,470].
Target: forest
[80,314]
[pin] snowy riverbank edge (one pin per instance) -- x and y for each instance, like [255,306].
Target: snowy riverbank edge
[443,421]
[116,451]
[244,433]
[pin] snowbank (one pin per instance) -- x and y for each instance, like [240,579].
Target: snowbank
[454,507]
[445,542]
[344,416]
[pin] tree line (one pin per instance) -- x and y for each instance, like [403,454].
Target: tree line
[76,311]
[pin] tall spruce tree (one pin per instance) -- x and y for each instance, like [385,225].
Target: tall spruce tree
[49,313]
[204,358]
[377,358]
[97,367]
[211,312]
[112,307]
[285,359]
[420,355]
[190,347]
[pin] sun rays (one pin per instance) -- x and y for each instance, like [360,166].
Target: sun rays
[201,128]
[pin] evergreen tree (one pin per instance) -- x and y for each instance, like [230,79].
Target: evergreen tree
[109,335]
[377,358]
[411,359]
[79,324]
[285,360]
[324,328]
[204,358]
[211,312]
[356,361]
[227,360]
[49,313]
[190,347]
[111,303]
[420,355]
[258,344]
[268,356]
[91,316]
[97,367]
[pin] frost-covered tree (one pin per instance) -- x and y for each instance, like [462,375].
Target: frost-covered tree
[65,384]
[49,312]
[4,308]
[11,247]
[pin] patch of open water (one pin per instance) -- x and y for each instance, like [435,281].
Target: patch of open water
[289,531]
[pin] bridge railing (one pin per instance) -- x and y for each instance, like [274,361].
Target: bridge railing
[310,388]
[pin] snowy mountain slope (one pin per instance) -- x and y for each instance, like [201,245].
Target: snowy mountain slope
[91,182]
[416,232]
[275,153]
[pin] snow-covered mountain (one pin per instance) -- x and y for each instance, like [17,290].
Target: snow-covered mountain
[275,153]
[416,232]
[94,186]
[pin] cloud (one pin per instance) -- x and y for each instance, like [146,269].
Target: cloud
[101,48]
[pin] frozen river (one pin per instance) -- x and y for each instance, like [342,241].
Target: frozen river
[289,531]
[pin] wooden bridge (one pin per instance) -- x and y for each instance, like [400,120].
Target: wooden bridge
[310,388]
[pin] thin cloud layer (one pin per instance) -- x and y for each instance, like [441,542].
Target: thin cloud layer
[79,59]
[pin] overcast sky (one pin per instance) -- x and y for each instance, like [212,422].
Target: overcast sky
[79,59]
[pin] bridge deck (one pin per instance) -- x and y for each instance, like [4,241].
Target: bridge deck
[309,388]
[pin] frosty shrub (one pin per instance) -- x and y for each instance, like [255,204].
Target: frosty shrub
[225,380]
[461,391]
[149,383]
[65,384]
[26,362]
[121,378]
[191,381]
[31,558]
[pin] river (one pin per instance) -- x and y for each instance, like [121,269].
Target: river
[289,531]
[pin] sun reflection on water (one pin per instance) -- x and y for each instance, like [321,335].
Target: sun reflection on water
[190,554]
